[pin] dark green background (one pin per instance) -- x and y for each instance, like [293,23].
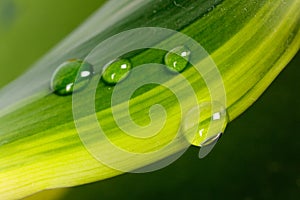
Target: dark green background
[258,157]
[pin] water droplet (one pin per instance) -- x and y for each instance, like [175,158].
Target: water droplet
[64,77]
[116,71]
[178,58]
[212,123]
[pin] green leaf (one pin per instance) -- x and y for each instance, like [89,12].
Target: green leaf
[250,42]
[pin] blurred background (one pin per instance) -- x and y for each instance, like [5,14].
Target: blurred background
[258,157]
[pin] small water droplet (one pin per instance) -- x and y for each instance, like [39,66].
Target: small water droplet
[178,58]
[64,77]
[116,71]
[212,123]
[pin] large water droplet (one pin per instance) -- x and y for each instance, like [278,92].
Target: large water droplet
[64,77]
[212,123]
[178,58]
[116,71]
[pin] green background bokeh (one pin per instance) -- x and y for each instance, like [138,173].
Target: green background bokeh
[258,157]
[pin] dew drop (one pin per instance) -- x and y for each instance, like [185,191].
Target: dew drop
[210,127]
[116,71]
[63,79]
[178,58]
